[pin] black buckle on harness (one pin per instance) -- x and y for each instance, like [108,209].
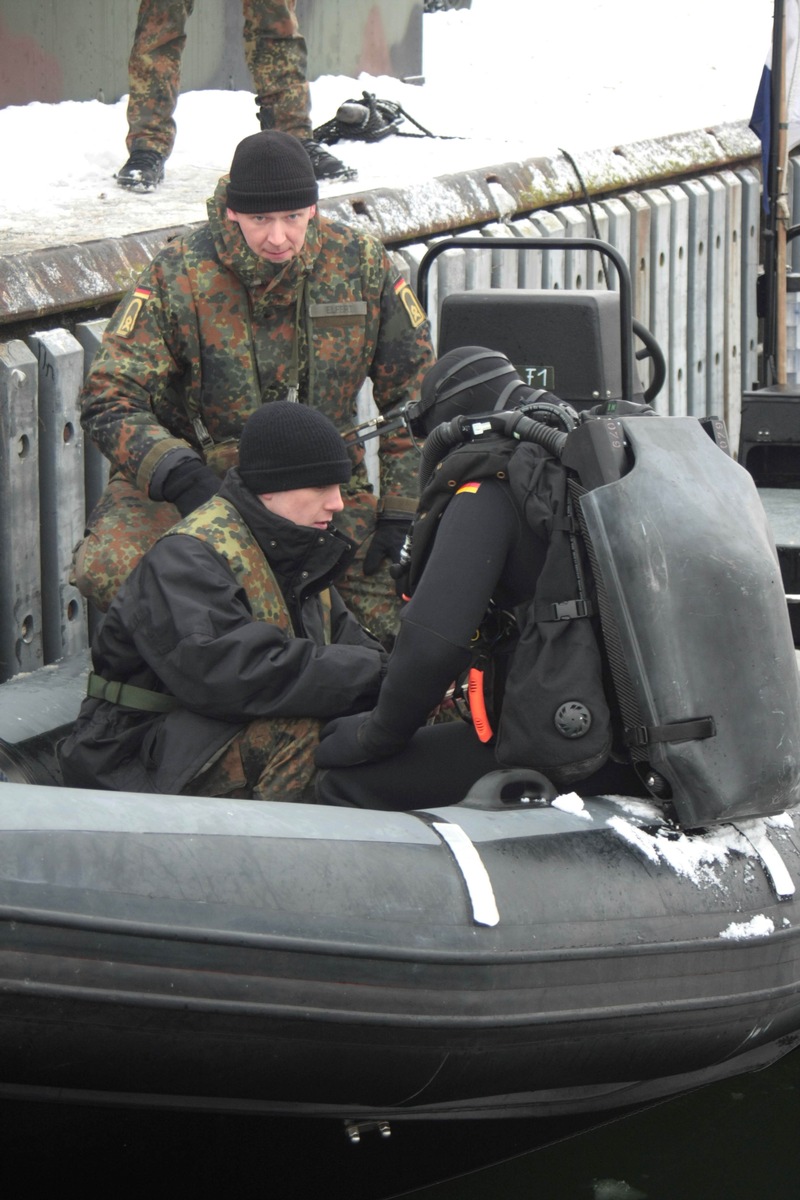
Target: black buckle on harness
[678,731]
[568,610]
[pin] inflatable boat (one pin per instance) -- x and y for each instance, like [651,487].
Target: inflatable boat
[522,952]
[553,957]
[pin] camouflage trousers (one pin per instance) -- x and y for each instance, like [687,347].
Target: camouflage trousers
[274,50]
[270,759]
[125,523]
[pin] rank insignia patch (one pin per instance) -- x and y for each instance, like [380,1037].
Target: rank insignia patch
[404,292]
[133,311]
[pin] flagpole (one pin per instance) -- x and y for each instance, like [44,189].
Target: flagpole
[771,186]
[781,192]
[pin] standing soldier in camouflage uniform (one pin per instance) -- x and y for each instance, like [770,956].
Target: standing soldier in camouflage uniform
[265,301]
[227,648]
[276,57]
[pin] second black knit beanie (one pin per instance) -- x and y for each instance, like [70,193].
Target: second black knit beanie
[286,445]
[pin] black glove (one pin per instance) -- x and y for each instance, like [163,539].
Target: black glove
[387,542]
[189,485]
[348,741]
[339,745]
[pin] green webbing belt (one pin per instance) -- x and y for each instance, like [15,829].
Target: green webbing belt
[128,695]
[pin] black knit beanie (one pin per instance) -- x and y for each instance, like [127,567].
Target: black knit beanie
[286,445]
[271,172]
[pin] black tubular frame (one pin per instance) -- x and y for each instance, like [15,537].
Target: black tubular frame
[477,242]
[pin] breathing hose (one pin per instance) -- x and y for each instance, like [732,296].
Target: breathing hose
[461,429]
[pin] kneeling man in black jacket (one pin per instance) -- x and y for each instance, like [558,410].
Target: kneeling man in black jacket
[228,648]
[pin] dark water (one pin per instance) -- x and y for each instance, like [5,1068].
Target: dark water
[734,1141]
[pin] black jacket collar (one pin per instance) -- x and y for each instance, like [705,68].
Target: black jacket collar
[304,559]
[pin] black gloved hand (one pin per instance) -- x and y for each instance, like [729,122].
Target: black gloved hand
[348,741]
[387,542]
[190,484]
[339,745]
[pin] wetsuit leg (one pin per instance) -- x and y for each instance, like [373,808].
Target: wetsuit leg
[438,767]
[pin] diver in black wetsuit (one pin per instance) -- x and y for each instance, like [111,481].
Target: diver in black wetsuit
[484,558]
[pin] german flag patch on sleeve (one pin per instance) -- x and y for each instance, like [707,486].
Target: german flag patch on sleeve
[405,294]
[133,311]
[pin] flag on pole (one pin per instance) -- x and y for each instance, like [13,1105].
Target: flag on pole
[762,118]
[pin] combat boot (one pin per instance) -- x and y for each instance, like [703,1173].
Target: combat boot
[325,165]
[143,171]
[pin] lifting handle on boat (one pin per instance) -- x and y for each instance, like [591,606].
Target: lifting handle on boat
[519,787]
[541,244]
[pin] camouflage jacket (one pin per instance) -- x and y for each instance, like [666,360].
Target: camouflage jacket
[209,330]
[183,624]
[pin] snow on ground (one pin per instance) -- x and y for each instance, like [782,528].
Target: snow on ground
[505,80]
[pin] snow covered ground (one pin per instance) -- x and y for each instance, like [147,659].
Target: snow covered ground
[504,80]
